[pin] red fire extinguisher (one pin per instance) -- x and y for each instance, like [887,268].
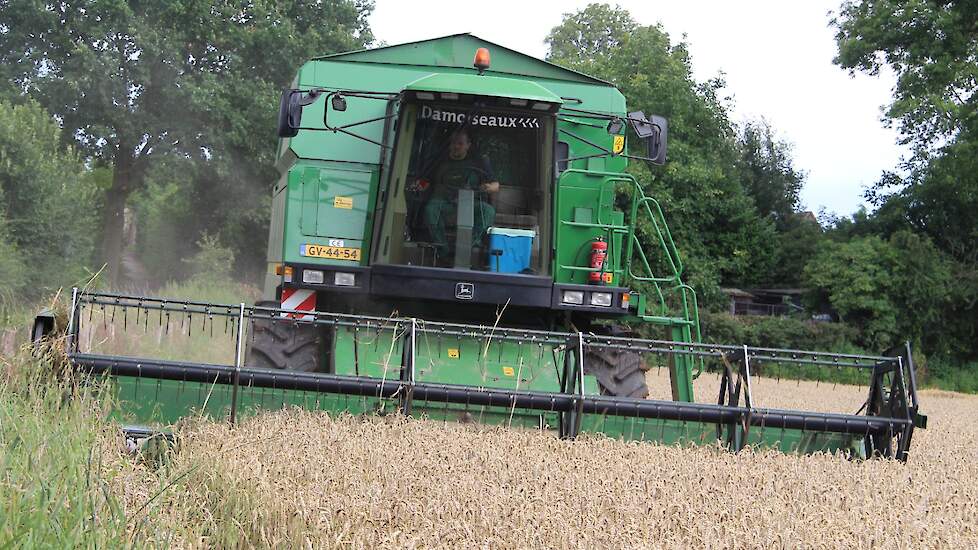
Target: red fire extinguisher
[599,251]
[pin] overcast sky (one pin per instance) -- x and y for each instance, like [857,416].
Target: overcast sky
[776,55]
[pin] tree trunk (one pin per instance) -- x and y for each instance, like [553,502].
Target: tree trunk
[113,218]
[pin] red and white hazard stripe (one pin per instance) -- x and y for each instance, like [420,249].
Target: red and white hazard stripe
[297,299]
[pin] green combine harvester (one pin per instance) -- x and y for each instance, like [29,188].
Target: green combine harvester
[460,240]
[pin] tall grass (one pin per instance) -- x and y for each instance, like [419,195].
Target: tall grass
[54,482]
[68,479]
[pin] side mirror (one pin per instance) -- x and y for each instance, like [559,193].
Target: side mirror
[654,131]
[289,117]
[657,141]
[290,110]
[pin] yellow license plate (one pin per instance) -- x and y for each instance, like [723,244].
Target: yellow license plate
[331,252]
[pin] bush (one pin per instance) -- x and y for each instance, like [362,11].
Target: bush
[48,205]
[13,272]
[777,332]
[212,262]
[950,376]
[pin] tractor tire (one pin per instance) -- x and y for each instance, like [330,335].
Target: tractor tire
[619,373]
[283,345]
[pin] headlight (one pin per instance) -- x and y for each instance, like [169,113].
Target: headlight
[312,276]
[572,297]
[601,299]
[344,279]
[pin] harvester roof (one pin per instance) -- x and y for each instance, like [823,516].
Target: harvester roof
[456,50]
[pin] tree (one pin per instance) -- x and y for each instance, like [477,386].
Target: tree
[890,290]
[933,48]
[589,38]
[48,205]
[768,172]
[134,81]
[712,217]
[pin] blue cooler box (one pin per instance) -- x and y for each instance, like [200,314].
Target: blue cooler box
[509,249]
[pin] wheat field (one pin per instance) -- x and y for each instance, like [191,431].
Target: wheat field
[300,479]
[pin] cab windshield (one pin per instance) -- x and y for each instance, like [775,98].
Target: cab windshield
[469,188]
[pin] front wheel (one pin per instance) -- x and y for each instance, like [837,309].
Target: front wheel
[619,373]
[284,344]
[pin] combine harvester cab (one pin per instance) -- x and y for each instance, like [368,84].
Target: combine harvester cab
[461,243]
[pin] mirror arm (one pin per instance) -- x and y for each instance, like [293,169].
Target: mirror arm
[346,93]
[347,132]
[358,136]
[368,121]
[591,143]
[569,159]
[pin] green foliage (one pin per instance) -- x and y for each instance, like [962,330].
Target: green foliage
[787,333]
[952,377]
[702,188]
[48,205]
[888,289]
[212,262]
[941,199]
[796,244]
[590,37]
[137,81]
[778,332]
[768,172]
[166,232]
[854,279]
[13,272]
[933,48]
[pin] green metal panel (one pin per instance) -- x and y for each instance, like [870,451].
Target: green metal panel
[681,372]
[328,201]
[335,201]
[276,232]
[309,210]
[482,362]
[585,211]
[484,85]
[458,51]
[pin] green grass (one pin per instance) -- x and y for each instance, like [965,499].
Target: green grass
[54,484]
[67,480]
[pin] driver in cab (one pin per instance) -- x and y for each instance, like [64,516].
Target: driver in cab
[452,175]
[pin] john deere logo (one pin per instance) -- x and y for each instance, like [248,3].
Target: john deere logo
[464,291]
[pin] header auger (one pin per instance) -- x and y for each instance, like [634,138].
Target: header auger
[466,245]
